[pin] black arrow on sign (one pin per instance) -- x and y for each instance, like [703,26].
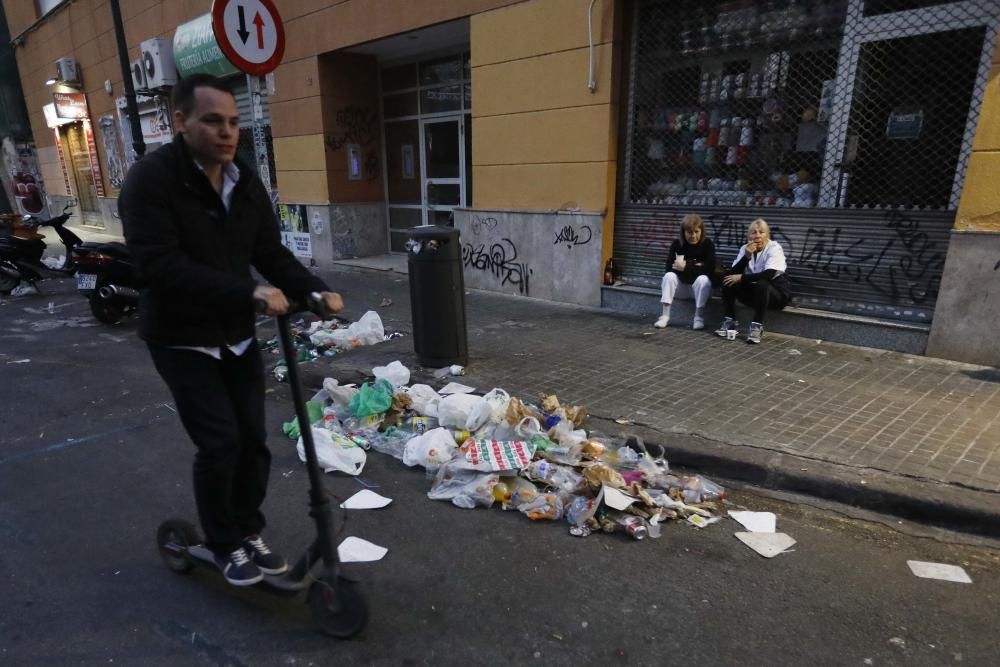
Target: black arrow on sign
[242,32]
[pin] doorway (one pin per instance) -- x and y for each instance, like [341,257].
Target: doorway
[82,174]
[443,156]
[426,110]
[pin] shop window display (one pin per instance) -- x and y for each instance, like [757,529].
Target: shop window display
[731,104]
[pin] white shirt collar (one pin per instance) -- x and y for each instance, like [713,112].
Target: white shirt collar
[230,176]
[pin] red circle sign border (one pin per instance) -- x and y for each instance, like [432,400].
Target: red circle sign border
[256,69]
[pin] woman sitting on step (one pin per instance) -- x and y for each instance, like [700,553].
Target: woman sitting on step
[690,266]
[758,279]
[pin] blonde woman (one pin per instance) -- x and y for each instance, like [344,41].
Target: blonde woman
[758,279]
[690,266]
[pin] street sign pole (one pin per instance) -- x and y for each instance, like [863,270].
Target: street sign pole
[251,35]
[138,144]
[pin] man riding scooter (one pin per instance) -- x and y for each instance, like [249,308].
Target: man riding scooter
[196,220]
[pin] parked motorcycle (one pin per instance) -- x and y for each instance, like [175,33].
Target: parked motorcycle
[22,247]
[107,276]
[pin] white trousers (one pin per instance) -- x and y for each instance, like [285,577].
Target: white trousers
[699,291]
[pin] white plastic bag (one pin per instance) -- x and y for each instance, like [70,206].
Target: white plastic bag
[430,450]
[424,400]
[455,409]
[338,394]
[395,373]
[564,434]
[368,330]
[335,452]
[491,410]
[463,487]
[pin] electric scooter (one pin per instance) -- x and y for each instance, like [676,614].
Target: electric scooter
[337,602]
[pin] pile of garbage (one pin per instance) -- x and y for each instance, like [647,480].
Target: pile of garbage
[492,449]
[325,338]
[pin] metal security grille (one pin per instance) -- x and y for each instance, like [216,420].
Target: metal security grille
[823,103]
[847,124]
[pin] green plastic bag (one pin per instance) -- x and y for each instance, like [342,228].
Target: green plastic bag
[372,400]
[315,411]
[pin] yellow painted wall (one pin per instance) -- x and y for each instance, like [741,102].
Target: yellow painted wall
[541,138]
[979,208]
[83,29]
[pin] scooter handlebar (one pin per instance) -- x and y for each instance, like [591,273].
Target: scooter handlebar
[314,303]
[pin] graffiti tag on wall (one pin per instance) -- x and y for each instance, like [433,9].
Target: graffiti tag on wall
[573,237]
[500,261]
[355,125]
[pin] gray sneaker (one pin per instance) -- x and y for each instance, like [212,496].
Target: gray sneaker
[261,555]
[727,324]
[238,569]
[756,331]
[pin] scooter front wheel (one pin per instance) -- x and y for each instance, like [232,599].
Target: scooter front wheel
[174,537]
[339,611]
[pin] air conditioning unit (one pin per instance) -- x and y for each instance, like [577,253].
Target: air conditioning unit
[67,71]
[158,62]
[139,75]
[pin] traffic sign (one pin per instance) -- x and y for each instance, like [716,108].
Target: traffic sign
[250,33]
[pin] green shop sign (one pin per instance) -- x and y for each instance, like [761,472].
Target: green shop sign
[197,52]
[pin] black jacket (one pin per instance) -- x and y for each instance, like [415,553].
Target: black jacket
[699,260]
[195,258]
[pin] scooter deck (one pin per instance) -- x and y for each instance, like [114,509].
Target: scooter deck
[278,582]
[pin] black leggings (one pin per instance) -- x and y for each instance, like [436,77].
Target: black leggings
[760,296]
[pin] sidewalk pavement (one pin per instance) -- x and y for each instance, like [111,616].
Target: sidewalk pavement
[912,436]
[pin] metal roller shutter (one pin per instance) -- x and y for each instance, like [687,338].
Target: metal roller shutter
[880,263]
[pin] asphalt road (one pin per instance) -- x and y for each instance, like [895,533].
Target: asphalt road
[93,458]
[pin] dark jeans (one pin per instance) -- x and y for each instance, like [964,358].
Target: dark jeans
[221,405]
[760,296]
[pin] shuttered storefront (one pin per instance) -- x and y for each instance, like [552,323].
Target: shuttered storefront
[885,264]
[846,124]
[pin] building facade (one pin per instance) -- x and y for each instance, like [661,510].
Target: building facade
[559,134]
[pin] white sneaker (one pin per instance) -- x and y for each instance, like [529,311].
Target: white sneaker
[698,324]
[662,322]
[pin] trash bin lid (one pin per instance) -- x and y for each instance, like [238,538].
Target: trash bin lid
[433,232]
[433,243]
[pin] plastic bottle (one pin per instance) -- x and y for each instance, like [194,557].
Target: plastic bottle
[555,475]
[580,510]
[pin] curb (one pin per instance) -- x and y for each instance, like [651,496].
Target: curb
[922,501]
[931,503]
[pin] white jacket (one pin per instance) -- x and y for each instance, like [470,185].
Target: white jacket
[771,257]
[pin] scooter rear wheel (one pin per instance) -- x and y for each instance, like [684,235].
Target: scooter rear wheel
[106,311]
[174,537]
[340,613]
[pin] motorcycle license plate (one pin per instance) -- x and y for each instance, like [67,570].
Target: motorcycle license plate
[86,281]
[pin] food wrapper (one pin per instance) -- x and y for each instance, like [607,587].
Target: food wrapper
[498,455]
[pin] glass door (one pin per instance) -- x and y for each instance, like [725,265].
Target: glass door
[442,155]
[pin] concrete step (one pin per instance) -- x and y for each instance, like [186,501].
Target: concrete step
[883,334]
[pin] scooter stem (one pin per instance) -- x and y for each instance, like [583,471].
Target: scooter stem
[319,504]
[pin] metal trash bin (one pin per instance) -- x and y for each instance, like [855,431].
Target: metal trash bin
[437,296]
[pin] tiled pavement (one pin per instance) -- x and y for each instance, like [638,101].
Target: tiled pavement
[912,416]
